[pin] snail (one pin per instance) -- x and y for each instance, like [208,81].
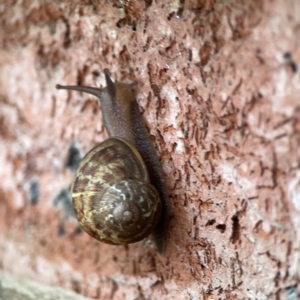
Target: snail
[119,194]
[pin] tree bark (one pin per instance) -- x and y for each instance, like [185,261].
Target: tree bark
[218,88]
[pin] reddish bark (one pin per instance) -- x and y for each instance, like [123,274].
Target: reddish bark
[219,91]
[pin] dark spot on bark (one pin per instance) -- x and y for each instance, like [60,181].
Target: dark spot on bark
[67,37]
[118,25]
[78,230]
[210,222]
[61,230]
[179,12]
[64,197]
[171,15]
[73,158]
[34,192]
[235,235]
[221,227]
[96,73]
[205,53]
[290,62]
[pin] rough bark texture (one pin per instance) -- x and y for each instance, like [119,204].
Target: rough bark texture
[219,89]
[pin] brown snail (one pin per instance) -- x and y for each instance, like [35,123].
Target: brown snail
[118,192]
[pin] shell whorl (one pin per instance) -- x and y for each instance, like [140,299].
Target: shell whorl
[112,197]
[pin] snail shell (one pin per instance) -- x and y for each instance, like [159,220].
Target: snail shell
[128,220]
[112,196]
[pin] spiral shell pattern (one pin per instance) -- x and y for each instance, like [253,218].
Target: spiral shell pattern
[112,197]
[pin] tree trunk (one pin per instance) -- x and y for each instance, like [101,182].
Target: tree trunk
[219,90]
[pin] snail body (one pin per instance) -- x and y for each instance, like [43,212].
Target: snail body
[118,192]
